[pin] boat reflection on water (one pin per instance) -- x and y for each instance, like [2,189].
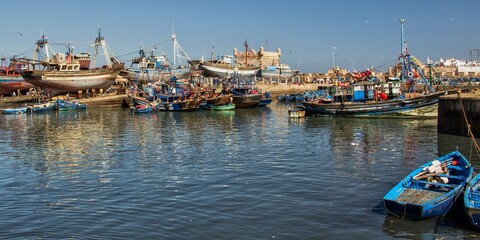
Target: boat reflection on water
[408,229]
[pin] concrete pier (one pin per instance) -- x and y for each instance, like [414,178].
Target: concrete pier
[451,119]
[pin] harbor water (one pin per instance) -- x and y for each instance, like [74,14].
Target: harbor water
[244,174]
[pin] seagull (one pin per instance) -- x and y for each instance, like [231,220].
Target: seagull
[452,19]
[19,33]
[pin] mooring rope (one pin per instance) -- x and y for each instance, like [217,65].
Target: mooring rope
[469,129]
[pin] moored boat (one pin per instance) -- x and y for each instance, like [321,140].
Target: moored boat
[19,110]
[67,105]
[43,107]
[245,97]
[296,112]
[471,200]
[265,100]
[430,190]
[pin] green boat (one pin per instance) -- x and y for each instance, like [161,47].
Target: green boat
[223,107]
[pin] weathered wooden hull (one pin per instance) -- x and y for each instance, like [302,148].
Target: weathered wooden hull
[10,84]
[274,75]
[55,82]
[154,75]
[225,70]
[419,199]
[246,101]
[389,108]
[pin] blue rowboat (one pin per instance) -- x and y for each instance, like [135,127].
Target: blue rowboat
[430,190]
[471,200]
[43,107]
[63,105]
[20,110]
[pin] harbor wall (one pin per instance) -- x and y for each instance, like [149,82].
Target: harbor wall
[451,118]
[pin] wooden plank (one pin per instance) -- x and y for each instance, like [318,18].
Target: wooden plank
[417,196]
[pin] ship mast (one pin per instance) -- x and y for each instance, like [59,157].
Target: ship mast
[402,50]
[41,53]
[246,52]
[100,41]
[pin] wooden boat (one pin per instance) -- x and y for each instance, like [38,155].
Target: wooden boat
[296,112]
[394,107]
[43,107]
[20,110]
[63,105]
[65,74]
[145,108]
[430,190]
[223,69]
[245,97]
[10,79]
[471,200]
[277,72]
[265,100]
[224,107]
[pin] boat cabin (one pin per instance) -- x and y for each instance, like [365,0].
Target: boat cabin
[392,87]
[63,67]
[363,91]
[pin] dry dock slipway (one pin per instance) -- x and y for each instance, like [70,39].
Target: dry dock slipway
[451,114]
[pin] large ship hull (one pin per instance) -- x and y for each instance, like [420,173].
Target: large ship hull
[56,82]
[154,75]
[226,70]
[276,74]
[10,84]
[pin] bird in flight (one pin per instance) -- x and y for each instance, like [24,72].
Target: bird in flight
[19,33]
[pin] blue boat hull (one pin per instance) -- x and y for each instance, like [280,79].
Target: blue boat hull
[418,198]
[15,111]
[471,200]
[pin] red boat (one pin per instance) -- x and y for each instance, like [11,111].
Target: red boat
[10,79]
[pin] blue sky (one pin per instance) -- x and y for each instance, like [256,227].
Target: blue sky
[364,33]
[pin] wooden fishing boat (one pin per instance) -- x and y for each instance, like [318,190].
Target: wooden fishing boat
[145,108]
[245,97]
[20,110]
[65,74]
[64,105]
[430,190]
[471,200]
[296,112]
[43,107]
[224,107]
[265,100]
[10,79]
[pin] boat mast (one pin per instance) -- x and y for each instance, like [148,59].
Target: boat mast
[100,41]
[246,52]
[402,50]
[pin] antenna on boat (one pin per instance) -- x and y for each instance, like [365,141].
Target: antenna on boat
[401,20]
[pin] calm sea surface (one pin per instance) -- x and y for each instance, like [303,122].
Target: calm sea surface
[245,174]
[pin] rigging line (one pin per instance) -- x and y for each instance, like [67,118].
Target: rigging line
[469,127]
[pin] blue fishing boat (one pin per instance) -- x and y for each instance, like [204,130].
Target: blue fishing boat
[63,105]
[43,107]
[20,110]
[471,200]
[144,108]
[430,190]
[265,100]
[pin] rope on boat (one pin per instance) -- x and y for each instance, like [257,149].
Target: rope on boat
[469,128]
